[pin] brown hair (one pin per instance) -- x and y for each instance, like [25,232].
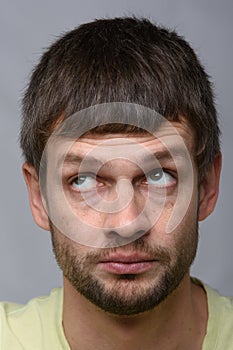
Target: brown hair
[125,60]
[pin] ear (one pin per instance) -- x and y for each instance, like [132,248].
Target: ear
[209,188]
[35,197]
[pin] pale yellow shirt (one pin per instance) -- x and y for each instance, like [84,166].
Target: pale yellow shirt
[38,325]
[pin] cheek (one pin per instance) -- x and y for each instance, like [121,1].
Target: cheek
[175,221]
[165,214]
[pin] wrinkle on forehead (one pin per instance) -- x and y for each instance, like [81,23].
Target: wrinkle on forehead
[166,144]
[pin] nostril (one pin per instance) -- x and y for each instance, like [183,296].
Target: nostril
[112,234]
[125,236]
[139,234]
[119,238]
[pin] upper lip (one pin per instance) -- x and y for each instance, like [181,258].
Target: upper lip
[131,258]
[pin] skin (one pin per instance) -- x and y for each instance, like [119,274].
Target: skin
[179,321]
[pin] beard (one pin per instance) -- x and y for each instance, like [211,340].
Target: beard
[129,294]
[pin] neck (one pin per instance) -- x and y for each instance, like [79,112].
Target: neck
[178,323]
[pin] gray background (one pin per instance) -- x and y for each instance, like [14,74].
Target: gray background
[27,266]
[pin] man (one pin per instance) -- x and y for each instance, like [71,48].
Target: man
[122,160]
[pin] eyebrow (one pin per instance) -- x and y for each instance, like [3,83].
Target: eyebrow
[178,152]
[76,159]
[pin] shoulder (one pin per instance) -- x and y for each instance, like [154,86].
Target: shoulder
[220,321]
[37,305]
[37,320]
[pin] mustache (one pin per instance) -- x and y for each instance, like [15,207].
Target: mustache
[138,246]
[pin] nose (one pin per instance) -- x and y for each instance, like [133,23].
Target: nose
[125,226]
[128,221]
[125,229]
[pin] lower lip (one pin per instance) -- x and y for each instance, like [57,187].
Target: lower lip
[121,268]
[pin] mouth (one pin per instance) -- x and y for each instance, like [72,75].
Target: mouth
[127,264]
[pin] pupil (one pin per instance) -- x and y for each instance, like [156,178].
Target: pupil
[80,180]
[156,175]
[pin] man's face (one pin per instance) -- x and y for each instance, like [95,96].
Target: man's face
[142,262]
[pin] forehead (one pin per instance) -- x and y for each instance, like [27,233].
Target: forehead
[173,135]
[170,140]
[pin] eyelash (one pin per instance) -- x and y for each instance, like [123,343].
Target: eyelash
[101,181]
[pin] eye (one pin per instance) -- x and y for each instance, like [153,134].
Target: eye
[160,178]
[84,182]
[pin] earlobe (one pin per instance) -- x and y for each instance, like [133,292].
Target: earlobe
[209,188]
[35,197]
